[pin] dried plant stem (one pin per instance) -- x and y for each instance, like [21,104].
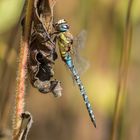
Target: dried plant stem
[19,105]
[123,72]
[20,92]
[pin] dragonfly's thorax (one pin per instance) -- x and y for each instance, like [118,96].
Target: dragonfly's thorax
[65,41]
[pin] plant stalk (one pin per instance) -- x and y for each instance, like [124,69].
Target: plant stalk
[21,75]
[123,72]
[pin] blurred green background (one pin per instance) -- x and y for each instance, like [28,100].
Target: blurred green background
[66,118]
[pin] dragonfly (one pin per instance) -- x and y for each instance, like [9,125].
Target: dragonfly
[65,39]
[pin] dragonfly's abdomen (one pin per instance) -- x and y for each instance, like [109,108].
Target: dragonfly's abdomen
[69,63]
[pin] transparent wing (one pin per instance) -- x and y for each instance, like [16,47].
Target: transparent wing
[80,39]
[78,45]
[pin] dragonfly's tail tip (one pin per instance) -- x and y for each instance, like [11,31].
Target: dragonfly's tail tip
[94,123]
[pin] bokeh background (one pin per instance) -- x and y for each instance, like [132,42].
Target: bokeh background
[66,118]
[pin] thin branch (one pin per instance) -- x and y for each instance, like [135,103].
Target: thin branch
[20,92]
[123,72]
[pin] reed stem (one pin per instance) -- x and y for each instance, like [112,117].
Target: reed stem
[123,72]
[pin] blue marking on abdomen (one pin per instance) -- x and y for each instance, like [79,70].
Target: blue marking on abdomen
[68,61]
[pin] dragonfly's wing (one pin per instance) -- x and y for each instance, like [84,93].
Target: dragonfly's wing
[80,39]
[78,44]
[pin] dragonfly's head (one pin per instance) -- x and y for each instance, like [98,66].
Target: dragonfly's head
[61,26]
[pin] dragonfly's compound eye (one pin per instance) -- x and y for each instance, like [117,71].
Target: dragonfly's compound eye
[61,25]
[65,26]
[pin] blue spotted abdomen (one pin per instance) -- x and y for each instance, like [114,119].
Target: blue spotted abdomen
[69,63]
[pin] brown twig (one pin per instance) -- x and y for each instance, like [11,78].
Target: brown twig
[19,101]
[123,72]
